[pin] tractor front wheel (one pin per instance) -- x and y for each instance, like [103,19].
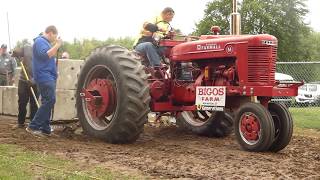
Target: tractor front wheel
[254,127]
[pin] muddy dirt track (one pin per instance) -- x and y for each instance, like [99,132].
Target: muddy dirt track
[166,153]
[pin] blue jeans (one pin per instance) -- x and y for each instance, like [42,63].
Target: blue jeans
[41,120]
[152,52]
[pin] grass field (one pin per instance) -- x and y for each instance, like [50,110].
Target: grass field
[16,163]
[306,117]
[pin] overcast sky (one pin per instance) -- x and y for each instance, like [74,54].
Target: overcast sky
[101,19]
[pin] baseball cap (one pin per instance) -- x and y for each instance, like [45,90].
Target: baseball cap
[4,46]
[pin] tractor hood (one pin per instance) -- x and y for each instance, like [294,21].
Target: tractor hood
[218,46]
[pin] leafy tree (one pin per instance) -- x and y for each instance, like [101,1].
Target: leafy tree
[312,43]
[281,18]
[217,13]
[22,43]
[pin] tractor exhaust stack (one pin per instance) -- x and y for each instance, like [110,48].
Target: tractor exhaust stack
[235,23]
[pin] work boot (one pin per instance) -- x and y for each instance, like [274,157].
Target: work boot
[18,126]
[157,73]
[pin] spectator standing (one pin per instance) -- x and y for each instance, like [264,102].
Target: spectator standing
[7,67]
[45,76]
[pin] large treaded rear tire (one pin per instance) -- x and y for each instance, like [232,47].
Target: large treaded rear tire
[131,90]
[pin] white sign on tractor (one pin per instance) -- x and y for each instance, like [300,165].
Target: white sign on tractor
[210,98]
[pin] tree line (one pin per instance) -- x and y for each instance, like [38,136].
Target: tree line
[80,49]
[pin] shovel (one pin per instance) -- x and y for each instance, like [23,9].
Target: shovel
[32,91]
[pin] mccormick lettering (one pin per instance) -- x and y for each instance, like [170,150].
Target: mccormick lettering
[208,47]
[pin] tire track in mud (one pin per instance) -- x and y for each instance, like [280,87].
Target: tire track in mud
[166,152]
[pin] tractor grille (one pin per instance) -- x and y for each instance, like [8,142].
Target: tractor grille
[261,64]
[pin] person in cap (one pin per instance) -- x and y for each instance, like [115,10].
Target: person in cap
[7,67]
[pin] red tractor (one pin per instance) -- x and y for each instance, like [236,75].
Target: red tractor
[211,85]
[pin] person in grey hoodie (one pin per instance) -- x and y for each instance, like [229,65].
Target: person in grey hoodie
[24,92]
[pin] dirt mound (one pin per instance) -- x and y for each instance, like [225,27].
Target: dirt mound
[166,152]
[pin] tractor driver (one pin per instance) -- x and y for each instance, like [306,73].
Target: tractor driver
[159,27]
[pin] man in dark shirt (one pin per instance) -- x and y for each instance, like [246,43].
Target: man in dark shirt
[45,76]
[25,95]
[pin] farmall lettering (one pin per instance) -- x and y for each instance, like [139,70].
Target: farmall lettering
[201,47]
[210,98]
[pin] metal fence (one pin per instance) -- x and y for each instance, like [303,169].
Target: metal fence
[307,104]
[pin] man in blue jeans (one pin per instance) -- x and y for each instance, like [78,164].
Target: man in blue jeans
[45,76]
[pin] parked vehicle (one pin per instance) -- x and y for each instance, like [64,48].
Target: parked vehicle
[283,77]
[308,94]
[287,100]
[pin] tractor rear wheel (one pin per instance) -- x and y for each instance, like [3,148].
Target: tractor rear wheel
[112,95]
[205,123]
[283,125]
[254,128]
